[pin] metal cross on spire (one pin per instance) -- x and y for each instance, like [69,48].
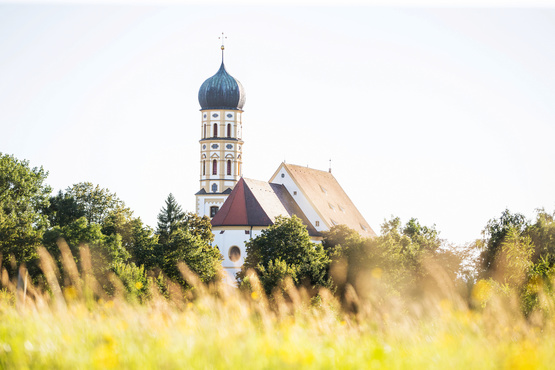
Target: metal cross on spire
[222,37]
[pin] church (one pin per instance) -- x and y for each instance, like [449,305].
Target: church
[241,208]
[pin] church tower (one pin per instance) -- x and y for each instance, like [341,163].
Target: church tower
[221,98]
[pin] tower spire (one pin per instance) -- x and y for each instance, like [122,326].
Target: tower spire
[222,37]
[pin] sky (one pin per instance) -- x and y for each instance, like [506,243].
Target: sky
[445,114]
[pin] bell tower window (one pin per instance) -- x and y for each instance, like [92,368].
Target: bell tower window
[228,167]
[215,130]
[204,134]
[214,188]
[228,130]
[214,167]
[203,168]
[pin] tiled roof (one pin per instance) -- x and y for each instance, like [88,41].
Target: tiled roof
[258,203]
[328,198]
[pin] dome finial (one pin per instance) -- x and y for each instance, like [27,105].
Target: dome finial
[222,47]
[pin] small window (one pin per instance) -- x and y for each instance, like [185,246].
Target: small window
[247,232]
[203,168]
[215,130]
[341,208]
[234,253]
[317,223]
[323,189]
[213,211]
[214,167]
[331,206]
[333,222]
[228,167]
[363,227]
[295,192]
[282,175]
[228,130]
[214,188]
[215,115]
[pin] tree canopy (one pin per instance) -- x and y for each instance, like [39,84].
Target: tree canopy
[23,199]
[285,249]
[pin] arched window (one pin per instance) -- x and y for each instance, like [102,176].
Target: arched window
[228,167]
[228,130]
[203,168]
[215,130]
[214,188]
[214,167]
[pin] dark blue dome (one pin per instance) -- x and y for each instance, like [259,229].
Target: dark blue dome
[221,91]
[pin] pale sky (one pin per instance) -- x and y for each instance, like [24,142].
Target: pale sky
[443,114]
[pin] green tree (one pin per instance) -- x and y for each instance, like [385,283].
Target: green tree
[169,219]
[196,252]
[494,233]
[106,250]
[285,249]
[98,203]
[23,199]
[144,248]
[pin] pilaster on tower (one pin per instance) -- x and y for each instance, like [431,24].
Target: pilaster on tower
[221,98]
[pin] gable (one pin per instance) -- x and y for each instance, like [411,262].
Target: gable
[326,197]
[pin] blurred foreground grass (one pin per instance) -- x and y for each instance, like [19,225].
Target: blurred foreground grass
[222,327]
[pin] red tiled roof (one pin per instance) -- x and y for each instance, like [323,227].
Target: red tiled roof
[258,203]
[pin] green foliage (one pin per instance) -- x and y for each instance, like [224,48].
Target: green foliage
[285,249]
[144,248]
[169,219]
[203,259]
[106,250]
[134,280]
[94,202]
[23,198]
[495,231]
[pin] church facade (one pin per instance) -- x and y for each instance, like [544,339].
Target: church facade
[241,208]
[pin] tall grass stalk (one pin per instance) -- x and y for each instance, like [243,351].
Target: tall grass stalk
[71,322]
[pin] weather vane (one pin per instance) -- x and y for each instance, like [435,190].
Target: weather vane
[223,47]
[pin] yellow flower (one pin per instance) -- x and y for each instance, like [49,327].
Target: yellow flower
[254,295]
[138,285]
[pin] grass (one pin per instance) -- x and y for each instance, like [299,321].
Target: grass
[219,327]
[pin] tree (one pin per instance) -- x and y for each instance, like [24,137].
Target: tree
[106,250]
[285,249]
[144,248]
[196,252]
[169,218]
[23,199]
[494,233]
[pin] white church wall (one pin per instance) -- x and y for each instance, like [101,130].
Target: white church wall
[233,237]
[283,177]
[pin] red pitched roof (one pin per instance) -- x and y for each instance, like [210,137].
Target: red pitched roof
[258,203]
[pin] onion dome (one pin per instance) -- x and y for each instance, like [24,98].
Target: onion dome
[221,91]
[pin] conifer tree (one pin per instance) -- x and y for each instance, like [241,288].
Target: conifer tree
[169,219]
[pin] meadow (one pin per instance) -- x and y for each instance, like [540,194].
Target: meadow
[222,327]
